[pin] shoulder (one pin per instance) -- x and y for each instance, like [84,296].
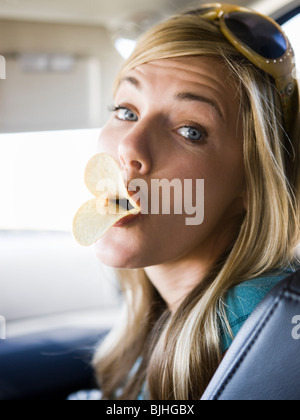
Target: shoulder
[241,301]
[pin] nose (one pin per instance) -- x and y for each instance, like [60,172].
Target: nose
[134,152]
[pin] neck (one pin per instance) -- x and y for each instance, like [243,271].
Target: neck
[175,280]
[167,280]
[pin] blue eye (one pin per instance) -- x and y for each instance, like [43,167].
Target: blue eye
[126,114]
[192,133]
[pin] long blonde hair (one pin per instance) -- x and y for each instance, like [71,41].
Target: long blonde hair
[180,352]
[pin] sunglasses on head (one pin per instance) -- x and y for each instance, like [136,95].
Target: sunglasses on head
[262,41]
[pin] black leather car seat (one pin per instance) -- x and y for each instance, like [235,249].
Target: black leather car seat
[263,362]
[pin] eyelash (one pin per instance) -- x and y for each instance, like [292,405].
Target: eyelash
[190,125]
[113,108]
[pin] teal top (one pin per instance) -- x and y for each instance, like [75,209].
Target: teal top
[241,301]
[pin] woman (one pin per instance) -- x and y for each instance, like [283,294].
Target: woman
[189,105]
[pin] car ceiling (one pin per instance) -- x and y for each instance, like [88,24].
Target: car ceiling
[97,12]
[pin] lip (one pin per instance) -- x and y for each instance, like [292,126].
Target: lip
[127,220]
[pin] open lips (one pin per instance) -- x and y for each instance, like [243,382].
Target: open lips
[104,180]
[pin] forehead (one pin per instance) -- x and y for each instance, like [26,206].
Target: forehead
[199,75]
[191,68]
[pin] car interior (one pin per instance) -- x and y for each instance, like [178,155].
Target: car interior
[57,301]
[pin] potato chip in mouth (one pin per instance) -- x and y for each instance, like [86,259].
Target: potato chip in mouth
[104,179]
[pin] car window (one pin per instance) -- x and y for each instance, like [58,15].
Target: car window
[46,278]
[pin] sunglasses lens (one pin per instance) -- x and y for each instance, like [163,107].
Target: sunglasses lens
[257,33]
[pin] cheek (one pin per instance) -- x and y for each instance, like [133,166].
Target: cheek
[224,181]
[225,185]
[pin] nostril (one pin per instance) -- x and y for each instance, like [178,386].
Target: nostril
[136,165]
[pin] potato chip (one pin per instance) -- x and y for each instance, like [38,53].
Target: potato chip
[102,169]
[104,179]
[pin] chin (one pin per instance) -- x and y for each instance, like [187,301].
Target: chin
[118,257]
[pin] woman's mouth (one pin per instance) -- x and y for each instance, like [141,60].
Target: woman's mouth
[126,205]
[127,220]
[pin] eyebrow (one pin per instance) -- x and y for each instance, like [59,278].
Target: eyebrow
[181,96]
[192,97]
[133,81]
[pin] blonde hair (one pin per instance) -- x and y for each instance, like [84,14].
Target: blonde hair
[180,352]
